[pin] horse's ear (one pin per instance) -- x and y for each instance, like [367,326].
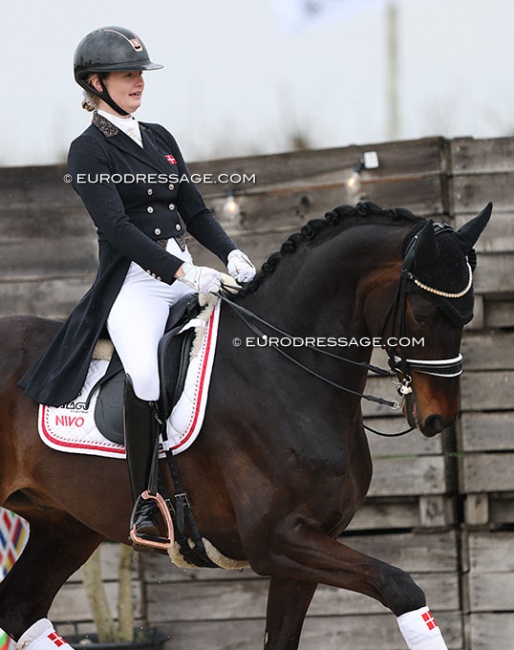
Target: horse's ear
[471,231]
[427,251]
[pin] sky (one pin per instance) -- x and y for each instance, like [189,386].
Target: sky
[235,83]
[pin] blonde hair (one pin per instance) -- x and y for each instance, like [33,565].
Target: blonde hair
[90,101]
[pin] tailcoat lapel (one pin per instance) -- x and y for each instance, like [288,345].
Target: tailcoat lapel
[149,154]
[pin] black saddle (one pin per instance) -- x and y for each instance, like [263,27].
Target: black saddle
[173,356]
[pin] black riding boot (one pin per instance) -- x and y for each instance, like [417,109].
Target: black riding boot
[141,435]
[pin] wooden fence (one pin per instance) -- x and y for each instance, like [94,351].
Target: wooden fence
[441,508]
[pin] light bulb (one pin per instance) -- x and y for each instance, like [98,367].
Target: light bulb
[354,182]
[230,208]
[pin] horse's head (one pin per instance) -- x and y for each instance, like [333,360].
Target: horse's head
[422,328]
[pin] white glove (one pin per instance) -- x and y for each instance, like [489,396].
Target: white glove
[201,279]
[239,266]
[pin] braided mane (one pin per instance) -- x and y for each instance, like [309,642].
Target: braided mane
[337,216]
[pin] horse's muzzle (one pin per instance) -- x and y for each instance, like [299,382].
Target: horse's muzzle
[433,425]
[430,426]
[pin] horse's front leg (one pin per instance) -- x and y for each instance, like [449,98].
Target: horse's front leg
[288,601]
[302,552]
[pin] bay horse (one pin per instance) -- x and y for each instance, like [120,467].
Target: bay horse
[282,462]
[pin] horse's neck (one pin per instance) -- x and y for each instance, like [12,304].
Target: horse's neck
[318,291]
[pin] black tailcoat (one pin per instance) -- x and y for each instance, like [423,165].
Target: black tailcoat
[134,196]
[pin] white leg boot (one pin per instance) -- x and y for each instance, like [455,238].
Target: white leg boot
[42,636]
[420,630]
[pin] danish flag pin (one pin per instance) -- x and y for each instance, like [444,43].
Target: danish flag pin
[171,159]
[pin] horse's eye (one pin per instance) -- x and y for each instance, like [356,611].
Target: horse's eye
[422,320]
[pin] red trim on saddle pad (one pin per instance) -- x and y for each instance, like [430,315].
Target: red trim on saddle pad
[71,428]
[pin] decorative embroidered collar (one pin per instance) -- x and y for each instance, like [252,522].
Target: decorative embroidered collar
[110,129]
[104,125]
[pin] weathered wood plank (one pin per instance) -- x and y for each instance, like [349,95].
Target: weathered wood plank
[501,508]
[491,592]
[491,631]
[290,209]
[470,192]
[71,604]
[491,552]
[386,513]
[486,431]
[50,298]
[487,390]
[500,313]
[52,222]
[413,158]
[36,190]
[407,550]
[43,257]
[408,476]
[488,350]
[494,274]
[476,509]
[247,599]
[487,472]
[328,633]
[470,156]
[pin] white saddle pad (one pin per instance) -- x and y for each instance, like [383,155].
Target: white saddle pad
[71,428]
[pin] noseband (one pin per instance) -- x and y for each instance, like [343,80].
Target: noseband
[397,311]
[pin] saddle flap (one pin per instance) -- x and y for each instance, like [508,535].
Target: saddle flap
[182,311]
[109,409]
[173,354]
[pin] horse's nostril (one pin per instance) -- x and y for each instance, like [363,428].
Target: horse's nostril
[434,424]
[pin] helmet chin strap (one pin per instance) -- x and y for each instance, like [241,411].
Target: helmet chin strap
[104,95]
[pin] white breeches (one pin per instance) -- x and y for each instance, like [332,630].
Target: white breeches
[137,320]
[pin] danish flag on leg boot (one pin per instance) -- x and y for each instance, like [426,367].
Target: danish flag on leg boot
[42,636]
[420,630]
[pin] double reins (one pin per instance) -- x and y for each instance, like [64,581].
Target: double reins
[398,361]
[247,316]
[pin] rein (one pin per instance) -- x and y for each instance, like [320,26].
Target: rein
[245,314]
[397,362]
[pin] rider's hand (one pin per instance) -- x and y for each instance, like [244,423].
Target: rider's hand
[239,266]
[201,279]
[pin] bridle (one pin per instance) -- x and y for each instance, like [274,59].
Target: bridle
[398,362]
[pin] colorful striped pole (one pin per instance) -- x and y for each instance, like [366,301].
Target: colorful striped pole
[14,532]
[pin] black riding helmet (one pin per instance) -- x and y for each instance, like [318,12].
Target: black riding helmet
[109,49]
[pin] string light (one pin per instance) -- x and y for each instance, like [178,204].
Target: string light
[230,208]
[354,181]
[369,160]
